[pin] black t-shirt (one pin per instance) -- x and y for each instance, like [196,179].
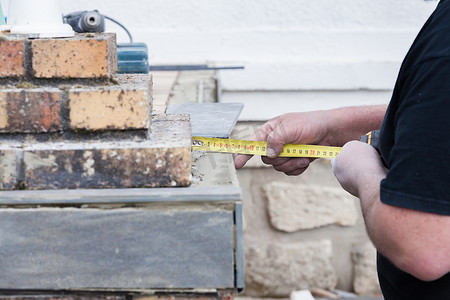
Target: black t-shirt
[415,144]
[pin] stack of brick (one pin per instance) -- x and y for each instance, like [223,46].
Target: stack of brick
[67,120]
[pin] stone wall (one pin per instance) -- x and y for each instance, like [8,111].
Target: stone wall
[302,232]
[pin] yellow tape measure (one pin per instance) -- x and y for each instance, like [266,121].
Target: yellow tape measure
[259,148]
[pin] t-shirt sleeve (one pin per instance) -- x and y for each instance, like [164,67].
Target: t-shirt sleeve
[419,161]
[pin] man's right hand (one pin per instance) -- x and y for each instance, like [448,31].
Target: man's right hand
[328,128]
[292,128]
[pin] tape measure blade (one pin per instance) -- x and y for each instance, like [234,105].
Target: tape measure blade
[229,146]
[259,148]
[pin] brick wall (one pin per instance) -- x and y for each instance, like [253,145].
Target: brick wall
[67,120]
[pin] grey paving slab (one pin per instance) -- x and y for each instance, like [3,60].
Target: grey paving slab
[54,249]
[210,119]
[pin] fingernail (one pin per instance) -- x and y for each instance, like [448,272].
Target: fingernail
[271,153]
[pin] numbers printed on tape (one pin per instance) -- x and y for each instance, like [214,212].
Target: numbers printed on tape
[260,148]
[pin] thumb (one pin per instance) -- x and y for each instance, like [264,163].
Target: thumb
[275,142]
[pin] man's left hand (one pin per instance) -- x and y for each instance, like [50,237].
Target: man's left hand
[358,167]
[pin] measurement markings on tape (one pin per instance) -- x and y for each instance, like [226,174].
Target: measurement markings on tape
[259,148]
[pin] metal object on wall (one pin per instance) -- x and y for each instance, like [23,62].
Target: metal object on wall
[86,21]
[38,19]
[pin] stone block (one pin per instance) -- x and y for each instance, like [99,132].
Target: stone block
[164,160]
[115,107]
[171,247]
[8,168]
[293,207]
[12,58]
[364,257]
[278,269]
[83,56]
[30,110]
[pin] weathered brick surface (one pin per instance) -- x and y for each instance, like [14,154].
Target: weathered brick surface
[162,161]
[30,110]
[105,168]
[226,295]
[8,168]
[83,56]
[115,107]
[12,56]
[181,297]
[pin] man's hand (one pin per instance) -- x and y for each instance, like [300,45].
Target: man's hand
[293,128]
[358,167]
[327,128]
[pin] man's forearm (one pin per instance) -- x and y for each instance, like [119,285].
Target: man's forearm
[350,123]
[412,240]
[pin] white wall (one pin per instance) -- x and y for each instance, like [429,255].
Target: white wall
[287,46]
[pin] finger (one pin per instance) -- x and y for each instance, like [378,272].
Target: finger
[275,161]
[296,172]
[240,160]
[287,162]
[292,165]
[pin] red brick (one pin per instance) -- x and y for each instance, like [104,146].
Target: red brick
[226,295]
[124,106]
[12,57]
[83,56]
[30,110]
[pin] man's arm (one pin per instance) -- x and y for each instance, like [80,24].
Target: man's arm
[416,242]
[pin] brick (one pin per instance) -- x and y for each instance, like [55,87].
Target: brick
[30,110]
[127,167]
[12,57]
[116,107]
[226,295]
[162,161]
[83,56]
[8,168]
